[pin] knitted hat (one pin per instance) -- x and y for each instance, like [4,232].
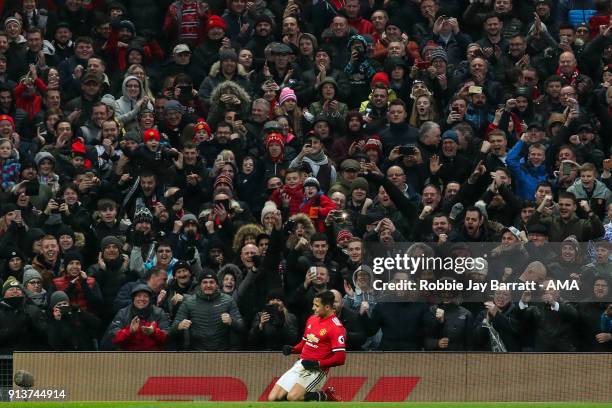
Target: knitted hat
[360,183]
[58,296]
[221,179]
[269,207]
[276,294]
[272,126]
[29,274]
[287,94]
[64,230]
[228,54]
[40,156]
[450,134]
[151,134]
[173,105]
[263,17]
[438,53]
[380,78]
[12,20]
[373,144]
[73,256]
[208,275]
[187,218]
[344,234]
[78,148]
[513,230]
[275,138]
[7,208]
[312,182]
[109,240]
[572,241]
[9,118]
[201,125]
[143,214]
[182,265]
[216,21]
[127,24]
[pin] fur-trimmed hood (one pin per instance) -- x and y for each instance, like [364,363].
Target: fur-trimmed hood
[247,229]
[215,69]
[309,229]
[229,87]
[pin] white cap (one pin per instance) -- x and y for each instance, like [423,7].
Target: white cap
[181,48]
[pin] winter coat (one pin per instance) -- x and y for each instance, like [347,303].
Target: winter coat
[76,332]
[457,327]
[599,199]
[207,331]
[218,108]
[553,330]
[126,110]
[121,335]
[524,174]
[317,209]
[21,328]
[506,324]
[84,293]
[215,77]
[583,229]
[402,325]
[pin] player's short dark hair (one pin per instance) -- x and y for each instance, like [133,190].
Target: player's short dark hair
[327,298]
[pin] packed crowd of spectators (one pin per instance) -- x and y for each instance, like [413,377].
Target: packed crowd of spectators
[187,175]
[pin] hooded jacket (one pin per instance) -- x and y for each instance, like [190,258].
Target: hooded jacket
[218,108]
[216,77]
[126,110]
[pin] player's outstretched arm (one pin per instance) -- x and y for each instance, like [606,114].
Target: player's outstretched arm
[297,349]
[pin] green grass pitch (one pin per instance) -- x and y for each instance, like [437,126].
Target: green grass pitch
[121,404]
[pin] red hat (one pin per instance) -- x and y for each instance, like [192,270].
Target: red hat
[275,138]
[215,21]
[344,234]
[201,125]
[10,119]
[380,77]
[151,134]
[78,148]
[224,180]
[374,144]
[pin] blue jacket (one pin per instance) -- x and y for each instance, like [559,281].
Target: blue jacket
[526,177]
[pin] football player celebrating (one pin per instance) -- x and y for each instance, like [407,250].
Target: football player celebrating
[322,347]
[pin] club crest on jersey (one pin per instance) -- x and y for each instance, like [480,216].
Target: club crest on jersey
[322,332]
[312,338]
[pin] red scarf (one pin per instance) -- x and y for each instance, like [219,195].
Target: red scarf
[571,80]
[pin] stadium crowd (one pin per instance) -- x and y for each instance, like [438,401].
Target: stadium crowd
[187,175]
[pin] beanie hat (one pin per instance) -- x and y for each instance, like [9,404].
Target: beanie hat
[269,207]
[151,134]
[438,53]
[228,54]
[572,241]
[272,126]
[143,214]
[29,274]
[373,144]
[134,136]
[263,17]
[182,265]
[201,125]
[109,240]
[173,105]
[40,156]
[9,118]
[64,230]
[275,138]
[58,296]
[312,182]
[224,180]
[276,294]
[72,256]
[344,234]
[208,275]
[187,218]
[7,208]
[286,94]
[127,24]
[216,21]
[12,20]
[78,148]
[380,77]
[450,134]
[360,183]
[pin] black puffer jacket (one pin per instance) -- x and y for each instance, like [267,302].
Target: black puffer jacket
[207,331]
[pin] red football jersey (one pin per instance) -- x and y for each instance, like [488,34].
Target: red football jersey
[323,337]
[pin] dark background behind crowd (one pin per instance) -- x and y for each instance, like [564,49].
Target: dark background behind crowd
[187,175]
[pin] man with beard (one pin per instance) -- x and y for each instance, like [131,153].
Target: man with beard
[182,284]
[111,272]
[48,262]
[209,318]
[594,335]
[23,325]
[477,114]
[263,36]
[141,238]
[473,229]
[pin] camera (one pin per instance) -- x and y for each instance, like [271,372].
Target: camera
[289,227]
[408,150]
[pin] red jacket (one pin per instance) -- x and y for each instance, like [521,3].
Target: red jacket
[139,341]
[30,103]
[77,294]
[317,209]
[362,26]
[297,196]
